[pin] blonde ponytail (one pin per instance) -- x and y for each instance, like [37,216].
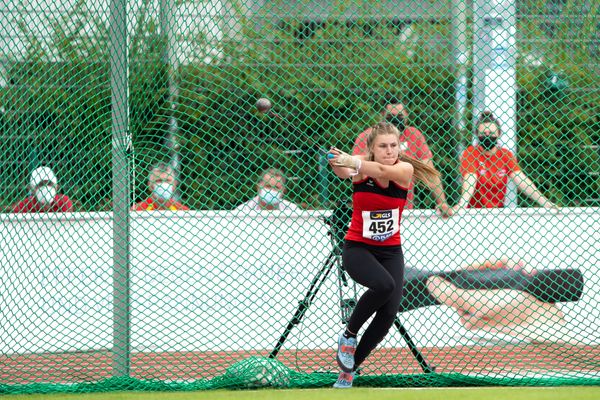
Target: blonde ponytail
[422,172]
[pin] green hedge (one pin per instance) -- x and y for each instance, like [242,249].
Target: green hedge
[326,89]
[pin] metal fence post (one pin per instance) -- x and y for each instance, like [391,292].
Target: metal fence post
[121,145]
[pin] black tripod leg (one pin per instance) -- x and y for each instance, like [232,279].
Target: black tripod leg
[413,348]
[306,302]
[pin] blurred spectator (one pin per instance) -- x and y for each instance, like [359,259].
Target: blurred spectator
[414,145]
[486,169]
[271,190]
[44,197]
[162,185]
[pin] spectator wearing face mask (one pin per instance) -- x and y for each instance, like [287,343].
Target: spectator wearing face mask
[412,144]
[271,189]
[486,169]
[43,186]
[162,184]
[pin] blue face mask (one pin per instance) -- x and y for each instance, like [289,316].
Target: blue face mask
[270,197]
[163,191]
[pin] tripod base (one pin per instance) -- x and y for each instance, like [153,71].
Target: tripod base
[425,366]
[339,222]
[347,305]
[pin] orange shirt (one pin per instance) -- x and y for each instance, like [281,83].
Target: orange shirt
[492,172]
[412,142]
[150,205]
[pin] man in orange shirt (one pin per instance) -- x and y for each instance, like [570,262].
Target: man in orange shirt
[486,169]
[162,184]
[413,144]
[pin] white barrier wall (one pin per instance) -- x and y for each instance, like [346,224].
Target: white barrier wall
[202,280]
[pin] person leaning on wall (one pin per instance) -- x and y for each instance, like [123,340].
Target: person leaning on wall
[413,144]
[45,196]
[486,169]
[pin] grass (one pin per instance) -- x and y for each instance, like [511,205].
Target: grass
[472,393]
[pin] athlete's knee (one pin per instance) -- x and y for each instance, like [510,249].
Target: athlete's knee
[386,287]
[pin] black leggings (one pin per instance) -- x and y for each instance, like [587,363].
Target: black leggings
[381,270]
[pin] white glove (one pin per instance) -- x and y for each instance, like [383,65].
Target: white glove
[346,160]
[341,159]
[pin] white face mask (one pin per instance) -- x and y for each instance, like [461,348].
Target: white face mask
[270,197]
[163,191]
[45,194]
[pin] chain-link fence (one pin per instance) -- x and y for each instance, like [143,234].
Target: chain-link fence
[170,220]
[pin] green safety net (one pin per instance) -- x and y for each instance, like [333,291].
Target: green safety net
[134,132]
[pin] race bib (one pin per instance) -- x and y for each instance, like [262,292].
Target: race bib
[380,225]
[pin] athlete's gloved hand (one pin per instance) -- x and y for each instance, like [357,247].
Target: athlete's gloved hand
[341,159]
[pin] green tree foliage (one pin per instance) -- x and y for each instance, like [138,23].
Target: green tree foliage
[326,81]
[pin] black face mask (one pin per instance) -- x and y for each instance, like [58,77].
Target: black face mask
[396,120]
[487,142]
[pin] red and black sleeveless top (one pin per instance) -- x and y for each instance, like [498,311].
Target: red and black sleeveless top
[376,212]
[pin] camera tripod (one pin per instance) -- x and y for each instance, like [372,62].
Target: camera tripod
[338,222]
